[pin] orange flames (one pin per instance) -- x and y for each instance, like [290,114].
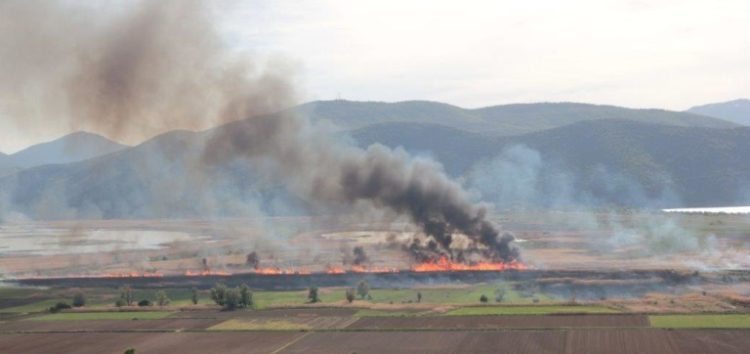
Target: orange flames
[206,273]
[277,271]
[443,264]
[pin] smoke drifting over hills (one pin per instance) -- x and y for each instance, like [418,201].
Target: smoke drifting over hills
[143,68]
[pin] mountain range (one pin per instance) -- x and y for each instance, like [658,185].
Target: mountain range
[737,111]
[589,155]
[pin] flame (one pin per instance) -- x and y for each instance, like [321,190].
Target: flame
[373,269]
[335,270]
[278,271]
[443,264]
[206,273]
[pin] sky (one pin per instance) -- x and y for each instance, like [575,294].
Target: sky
[670,54]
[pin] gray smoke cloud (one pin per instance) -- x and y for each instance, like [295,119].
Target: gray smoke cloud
[138,69]
[128,70]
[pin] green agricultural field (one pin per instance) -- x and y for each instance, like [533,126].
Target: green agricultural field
[271,325]
[700,321]
[385,313]
[39,306]
[527,310]
[78,316]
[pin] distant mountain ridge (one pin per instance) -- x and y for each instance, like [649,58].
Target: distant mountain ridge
[612,162]
[73,147]
[506,120]
[737,111]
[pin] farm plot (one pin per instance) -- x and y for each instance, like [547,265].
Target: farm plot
[106,325]
[430,342]
[489,322]
[163,343]
[622,341]
[283,323]
[711,341]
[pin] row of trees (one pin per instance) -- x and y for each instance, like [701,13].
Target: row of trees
[126,298]
[232,298]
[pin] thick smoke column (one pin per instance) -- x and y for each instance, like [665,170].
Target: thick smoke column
[158,65]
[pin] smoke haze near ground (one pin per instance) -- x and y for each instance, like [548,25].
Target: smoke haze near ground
[139,69]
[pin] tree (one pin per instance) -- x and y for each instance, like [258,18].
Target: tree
[218,294]
[59,306]
[312,294]
[126,294]
[194,296]
[231,299]
[350,295]
[363,289]
[246,296]
[419,296]
[161,298]
[79,300]
[483,298]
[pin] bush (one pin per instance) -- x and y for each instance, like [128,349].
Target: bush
[194,296]
[312,294]
[499,294]
[59,306]
[231,299]
[246,297]
[350,295]
[363,289]
[161,298]
[79,300]
[483,298]
[126,294]
[129,351]
[144,303]
[120,303]
[218,294]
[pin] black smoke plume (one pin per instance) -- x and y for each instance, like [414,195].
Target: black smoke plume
[154,65]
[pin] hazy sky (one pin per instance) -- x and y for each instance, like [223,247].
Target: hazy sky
[670,54]
[667,53]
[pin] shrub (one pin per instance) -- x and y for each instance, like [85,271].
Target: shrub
[194,296]
[483,298]
[499,294]
[129,351]
[120,303]
[246,297]
[59,306]
[312,294]
[161,298]
[363,289]
[231,299]
[144,303]
[350,295]
[79,300]
[126,294]
[218,294]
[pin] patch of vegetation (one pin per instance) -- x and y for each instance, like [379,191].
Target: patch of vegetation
[232,298]
[526,310]
[700,321]
[384,313]
[82,316]
[270,325]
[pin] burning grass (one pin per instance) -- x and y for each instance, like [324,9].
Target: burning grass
[700,321]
